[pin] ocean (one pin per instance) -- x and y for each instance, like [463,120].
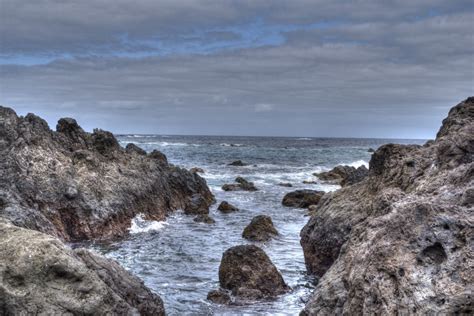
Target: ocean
[179,258]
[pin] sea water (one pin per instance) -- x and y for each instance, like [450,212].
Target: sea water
[179,258]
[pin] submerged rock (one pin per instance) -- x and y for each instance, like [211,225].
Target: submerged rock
[204,218]
[79,186]
[249,274]
[344,175]
[285,184]
[260,229]
[302,198]
[219,297]
[399,242]
[238,163]
[226,207]
[40,275]
[241,185]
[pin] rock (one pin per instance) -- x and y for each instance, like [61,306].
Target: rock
[196,170]
[285,184]
[399,242]
[237,163]
[371,150]
[260,229]
[79,186]
[344,175]
[132,148]
[248,273]
[196,204]
[226,207]
[241,185]
[309,182]
[158,155]
[204,218]
[302,198]
[39,275]
[219,297]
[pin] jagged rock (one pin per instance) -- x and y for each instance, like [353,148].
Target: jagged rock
[132,148]
[371,150]
[219,297]
[237,163]
[241,185]
[344,175]
[226,207]
[399,242]
[197,204]
[302,198]
[39,275]
[249,274]
[285,184]
[260,229]
[196,170]
[77,185]
[158,155]
[204,218]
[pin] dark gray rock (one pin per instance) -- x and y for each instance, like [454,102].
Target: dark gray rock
[260,229]
[226,207]
[39,275]
[399,242]
[196,170]
[219,297]
[159,156]
[241,185]
[78,186]
[204,218]
[302,198]
[249,274]
[285,184]
[132,148]
[238,163]
[344,175]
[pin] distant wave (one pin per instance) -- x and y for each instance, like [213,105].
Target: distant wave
[304,138]
[140,225]
[232,145]
[359,163]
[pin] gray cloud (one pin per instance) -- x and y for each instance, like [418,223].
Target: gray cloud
[381,71]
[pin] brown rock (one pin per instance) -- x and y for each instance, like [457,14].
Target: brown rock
[204,218]
[219,297]
[241,185]
[260,229]
[302,198]
[226,207]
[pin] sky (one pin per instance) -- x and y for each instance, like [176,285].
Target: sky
[319,68]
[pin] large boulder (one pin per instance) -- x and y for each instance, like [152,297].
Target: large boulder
[77,185]
[302,198]
[241,185]
[249,274]
[39,275]
[399,242]
[344,175]
[260,229]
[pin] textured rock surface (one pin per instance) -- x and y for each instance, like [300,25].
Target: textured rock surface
[77,185]
[219,297]
[302,198]
[241,185]
[400,241]
[226,207]
[39,275]
[249,274]
[260,229]
[344,175]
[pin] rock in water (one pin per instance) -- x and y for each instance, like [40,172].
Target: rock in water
[241,185]
[238,163]
[260,229]
[204,218]
[344,175]
[249,274]
[302,198]
[226,207]
[219,297]
[196,170]
[77,185]
[399,242]
[39,275]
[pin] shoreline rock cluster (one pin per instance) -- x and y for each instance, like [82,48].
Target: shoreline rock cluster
[400,240]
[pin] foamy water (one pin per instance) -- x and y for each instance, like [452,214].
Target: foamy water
[179,258]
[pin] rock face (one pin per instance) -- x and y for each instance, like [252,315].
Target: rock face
[260,229]
[302,198]
[39,275]
[344,175]
[400,241]
[77,185]
[249,274]
[241,185]
[226,207]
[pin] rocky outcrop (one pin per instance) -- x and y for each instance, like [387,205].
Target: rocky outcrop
[260,229]
[249,274]
[196,170]
[39,275]
[302,198]
[132,148]
[400,241]
[344,175]
[77,185]
[226,207]
[241,185]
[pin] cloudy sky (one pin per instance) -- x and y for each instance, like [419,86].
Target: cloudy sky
[253,67]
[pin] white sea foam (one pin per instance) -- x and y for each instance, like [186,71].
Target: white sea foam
[304,138]
[141,225]
[359,163]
